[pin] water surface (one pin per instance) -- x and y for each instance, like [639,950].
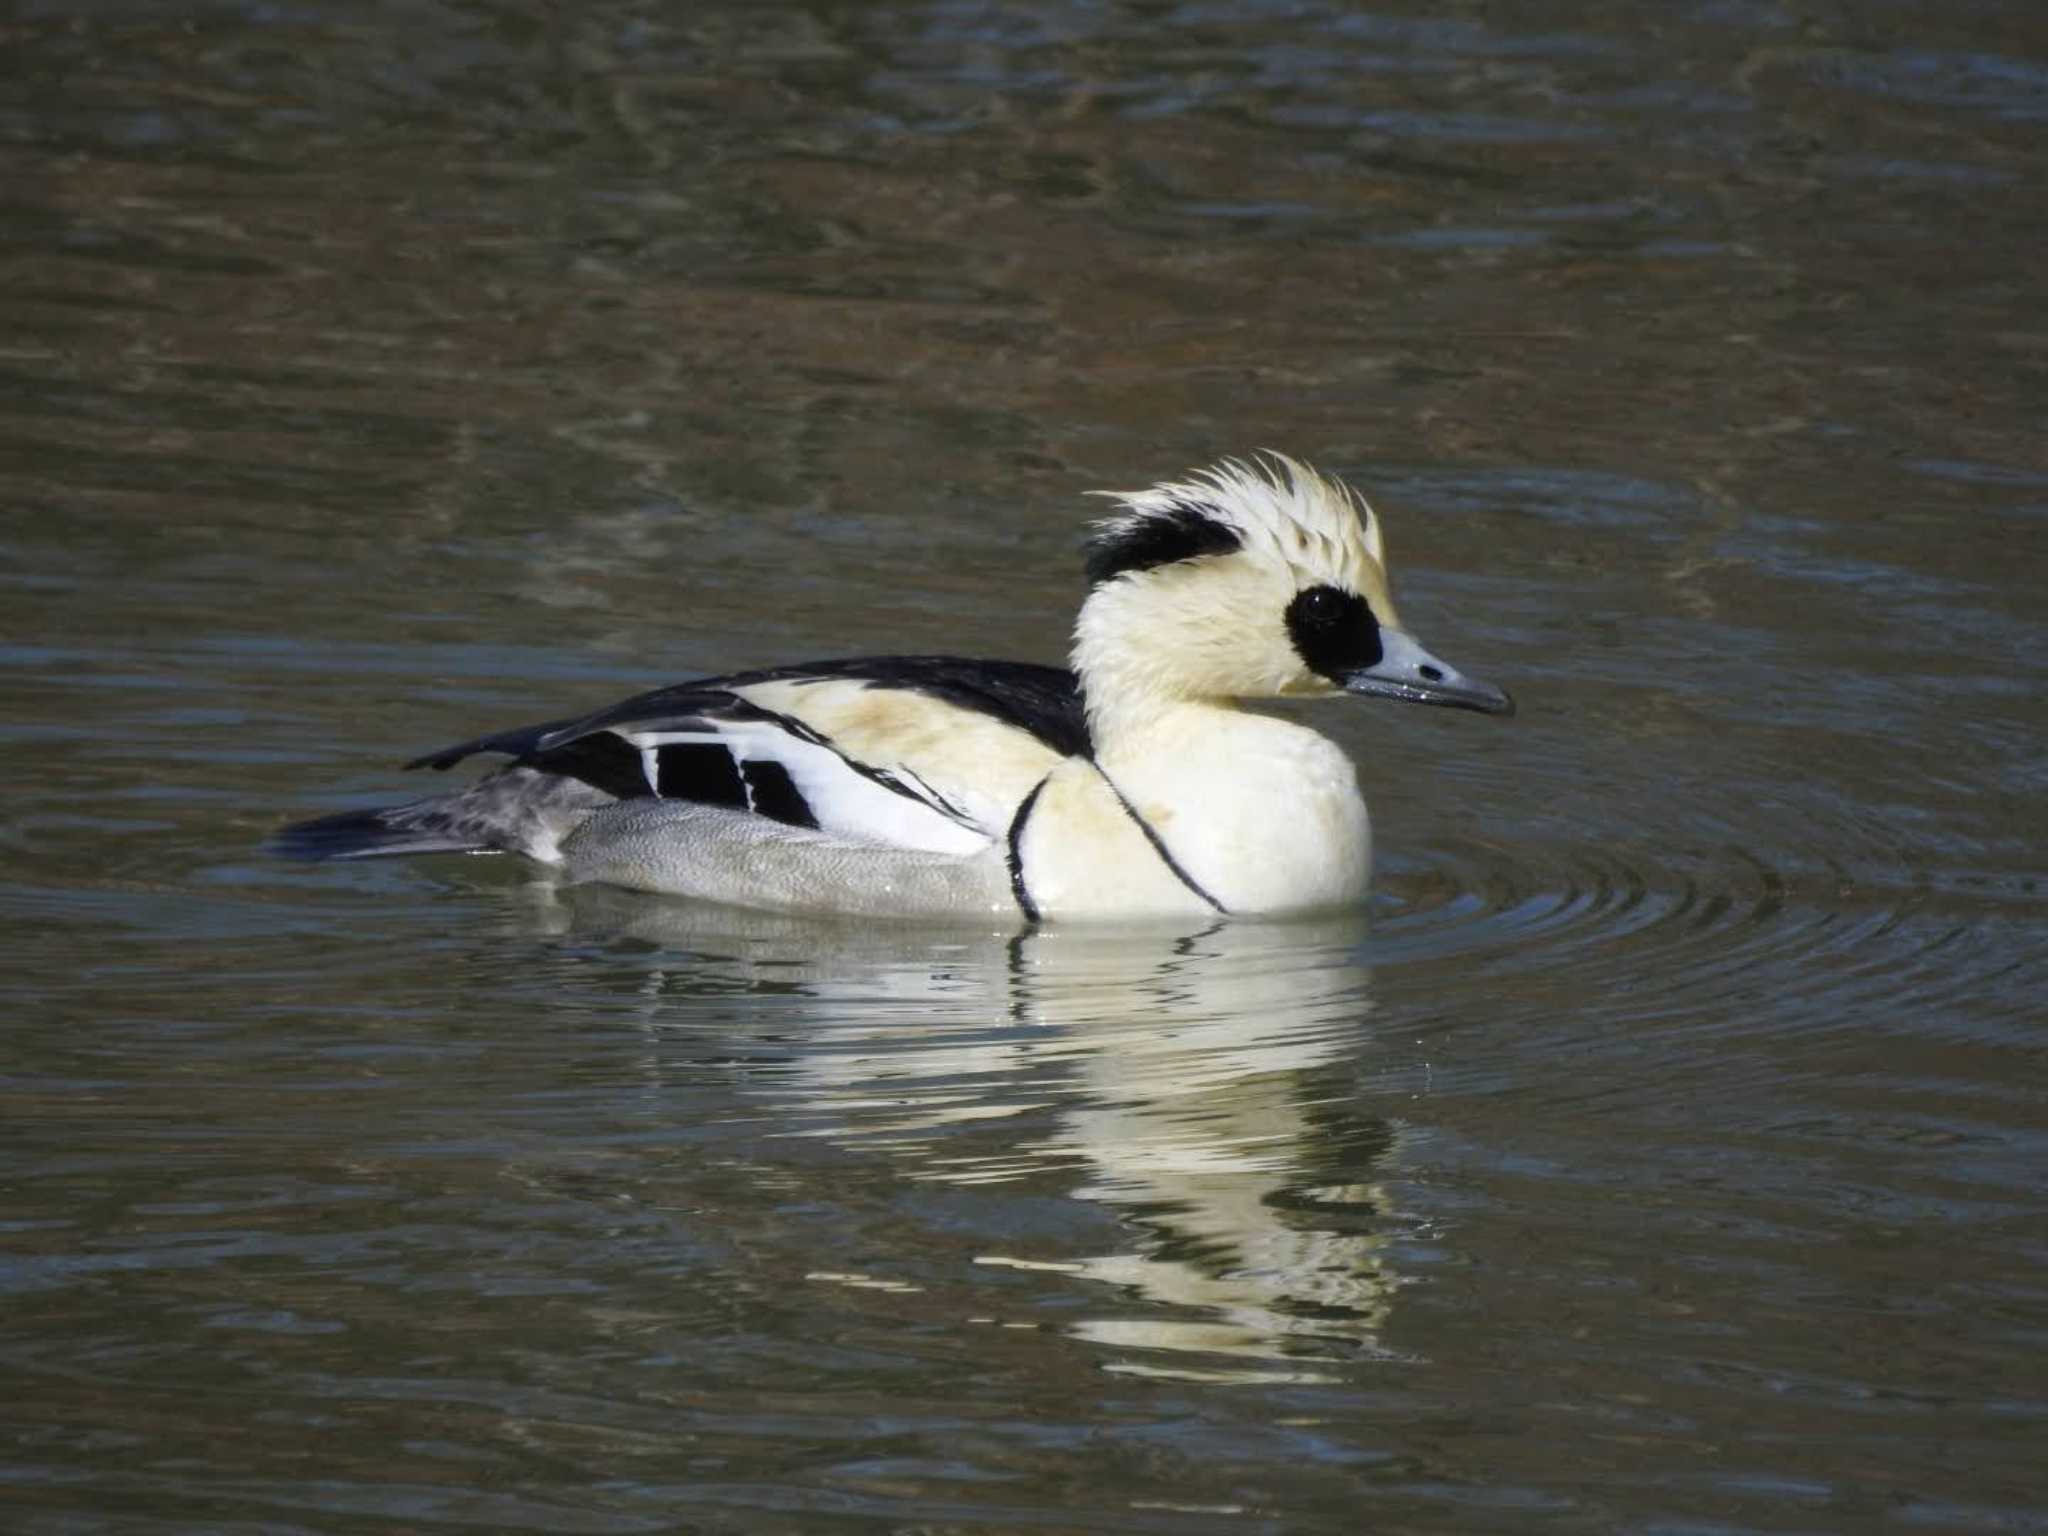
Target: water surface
[1662,1151]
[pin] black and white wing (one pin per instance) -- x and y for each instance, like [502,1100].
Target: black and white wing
[926,753]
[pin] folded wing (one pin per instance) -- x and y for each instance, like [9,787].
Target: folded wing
[925,753]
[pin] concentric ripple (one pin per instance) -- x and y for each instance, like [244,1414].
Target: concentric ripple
[1784,940]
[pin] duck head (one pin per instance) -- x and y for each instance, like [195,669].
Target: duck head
[1245,581]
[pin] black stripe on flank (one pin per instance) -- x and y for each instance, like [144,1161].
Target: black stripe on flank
[1151,539]
[774,794]
[1334,631]
[701,771]
[1159,845]
[1016,856]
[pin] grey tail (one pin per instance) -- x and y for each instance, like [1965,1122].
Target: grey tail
[382,833]
[515,810]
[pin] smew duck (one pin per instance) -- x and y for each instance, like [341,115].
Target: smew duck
[1135,784]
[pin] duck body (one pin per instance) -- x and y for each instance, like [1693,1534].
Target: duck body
[1133,785]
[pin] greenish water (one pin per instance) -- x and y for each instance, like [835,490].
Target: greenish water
[1664,1151]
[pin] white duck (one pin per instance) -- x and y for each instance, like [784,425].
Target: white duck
[1135,785]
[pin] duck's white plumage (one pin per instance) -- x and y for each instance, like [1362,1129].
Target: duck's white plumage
[1133,785]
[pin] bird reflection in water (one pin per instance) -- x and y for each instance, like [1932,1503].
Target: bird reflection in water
[1202,1082]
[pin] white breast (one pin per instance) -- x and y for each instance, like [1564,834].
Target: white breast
[1082,854]
[1264,814]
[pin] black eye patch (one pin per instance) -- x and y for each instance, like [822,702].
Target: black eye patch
[1334,631]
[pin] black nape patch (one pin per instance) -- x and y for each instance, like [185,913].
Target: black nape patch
[775,795]
[1334,631]
[1153,539]
[700,771]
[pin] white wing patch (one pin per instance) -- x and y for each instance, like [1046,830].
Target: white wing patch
[978,766]
[895,808]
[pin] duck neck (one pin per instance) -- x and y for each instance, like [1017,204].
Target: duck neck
[1133,692]
[1128,729]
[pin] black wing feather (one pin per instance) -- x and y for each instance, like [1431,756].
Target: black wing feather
[1045,701]
[516,742]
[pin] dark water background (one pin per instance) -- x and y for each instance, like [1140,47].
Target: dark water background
[1665,1152]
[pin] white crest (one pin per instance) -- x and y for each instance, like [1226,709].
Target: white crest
[1280,509]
